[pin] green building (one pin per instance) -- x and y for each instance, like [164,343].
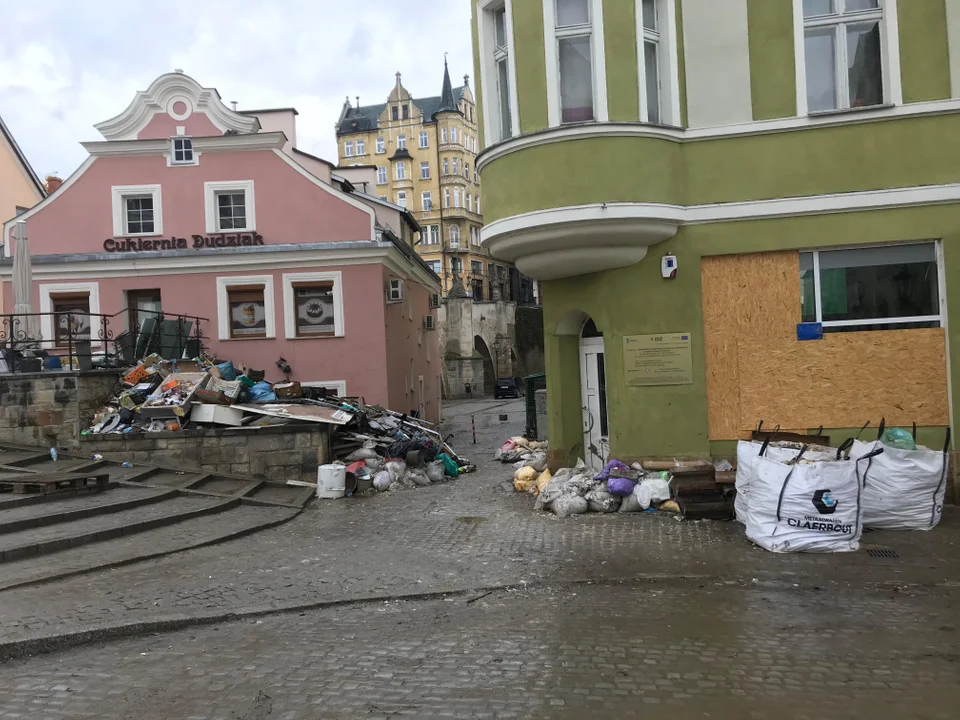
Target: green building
[699,184]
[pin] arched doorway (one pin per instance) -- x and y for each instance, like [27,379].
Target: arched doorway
[489,372]
[593,391]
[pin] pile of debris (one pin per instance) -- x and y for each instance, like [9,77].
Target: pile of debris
[157,395]
[385,450]
[691,489]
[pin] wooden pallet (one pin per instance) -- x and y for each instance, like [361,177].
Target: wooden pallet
[54,482]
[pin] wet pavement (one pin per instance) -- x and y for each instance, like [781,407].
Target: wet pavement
[609,616]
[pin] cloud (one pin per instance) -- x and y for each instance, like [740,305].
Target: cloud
[68,64]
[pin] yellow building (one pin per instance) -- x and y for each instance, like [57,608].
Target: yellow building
[424,151]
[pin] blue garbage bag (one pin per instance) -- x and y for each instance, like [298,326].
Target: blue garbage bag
[262,392]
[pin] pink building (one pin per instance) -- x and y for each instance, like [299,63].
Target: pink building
[191,208]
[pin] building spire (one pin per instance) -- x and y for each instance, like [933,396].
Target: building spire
[447,103]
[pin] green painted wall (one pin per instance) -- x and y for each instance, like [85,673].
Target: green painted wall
[477,84]
[682,65]
[924,50]
[531,65]
[620,49]
[844,158]
[636,300]
[772,63]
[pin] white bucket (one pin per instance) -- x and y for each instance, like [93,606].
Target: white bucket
[331,481]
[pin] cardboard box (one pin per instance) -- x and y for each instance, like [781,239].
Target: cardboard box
[288,390]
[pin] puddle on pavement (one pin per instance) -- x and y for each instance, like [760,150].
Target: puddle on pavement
[471,520]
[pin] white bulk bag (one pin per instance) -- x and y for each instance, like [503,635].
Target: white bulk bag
[905,488]
[808,506]
[747,453]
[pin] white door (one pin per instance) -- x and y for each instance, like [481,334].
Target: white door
[594,401]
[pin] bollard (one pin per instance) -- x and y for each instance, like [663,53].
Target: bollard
[473,426]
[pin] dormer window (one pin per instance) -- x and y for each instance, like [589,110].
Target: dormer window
[183,151]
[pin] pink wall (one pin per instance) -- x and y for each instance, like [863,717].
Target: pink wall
[403,320]
[162,126]
[289,207]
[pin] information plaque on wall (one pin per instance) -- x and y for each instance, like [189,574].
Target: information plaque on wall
[664,359]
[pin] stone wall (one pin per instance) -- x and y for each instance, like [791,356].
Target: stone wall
[464,325]
[289,452]
[51,408]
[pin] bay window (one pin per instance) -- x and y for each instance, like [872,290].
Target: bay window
[574,34]
[843,54]
[498,72]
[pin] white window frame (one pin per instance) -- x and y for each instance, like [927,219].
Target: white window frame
[455,167]
[401,170]
[489,56]
[424,170]
[598,65]
[469,202]
[119,194]
[426,200]
[424,139]
[431,235]
[173,151]
[290,303]
[361,147]
[446,166]
[453,136]
[224,283]
[456,197]
[339,385]
[436,266]
[446,197]
[454,241]
[401,142]
[402,198]
[941,287]
[478,205]
[214,188]
[48,290]
[443,136]
[889,57]
[669,64]
[381,176]
[381,146]
[348,148]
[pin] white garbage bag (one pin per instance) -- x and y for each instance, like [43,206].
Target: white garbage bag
[568,505]
[806,506]
[904,488]
[651,490]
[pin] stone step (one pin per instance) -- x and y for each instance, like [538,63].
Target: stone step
[41,540]
[78,507]
[236,522]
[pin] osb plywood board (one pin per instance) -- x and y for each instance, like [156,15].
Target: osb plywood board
[756,368]
[744,296]
[845,380]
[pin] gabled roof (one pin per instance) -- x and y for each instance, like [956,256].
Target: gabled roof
[367,117]
[27,168]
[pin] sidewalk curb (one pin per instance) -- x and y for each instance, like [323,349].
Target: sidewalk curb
[150,556]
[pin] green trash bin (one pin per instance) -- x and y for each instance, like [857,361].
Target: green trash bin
[532,383]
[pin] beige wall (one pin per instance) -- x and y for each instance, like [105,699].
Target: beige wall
[284,121]
[16,187]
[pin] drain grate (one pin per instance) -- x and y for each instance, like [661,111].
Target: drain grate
[886,553]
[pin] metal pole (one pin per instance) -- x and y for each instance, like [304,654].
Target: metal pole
[473,427]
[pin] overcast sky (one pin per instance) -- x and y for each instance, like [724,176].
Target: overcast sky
[68,64]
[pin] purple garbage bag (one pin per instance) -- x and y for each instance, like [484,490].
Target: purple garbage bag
[620,486]
[612,465]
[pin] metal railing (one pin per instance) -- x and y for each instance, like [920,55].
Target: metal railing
[74,339]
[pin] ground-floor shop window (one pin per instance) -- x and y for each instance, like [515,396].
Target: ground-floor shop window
[313,305]
[72,317]
[876,288]
[247,312]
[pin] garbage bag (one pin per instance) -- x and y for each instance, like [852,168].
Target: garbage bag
[904,489]
[449,465]
[417,476]
[898,438]
[604,474]
[435,471]
[542,482]
[557,487]
[669,506]
[227,371]
[652,490]
[807,507]
[630,504]
[262,392]
[524,479]
[603,502]
[360,454]
[396,468]
[538,461]
[382,480]
[568,505]
[620,486]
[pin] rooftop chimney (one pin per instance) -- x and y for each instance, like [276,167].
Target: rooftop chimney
[234,103]
[51,183]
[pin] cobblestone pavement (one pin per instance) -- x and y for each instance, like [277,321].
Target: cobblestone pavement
[467,534]
[673,649]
